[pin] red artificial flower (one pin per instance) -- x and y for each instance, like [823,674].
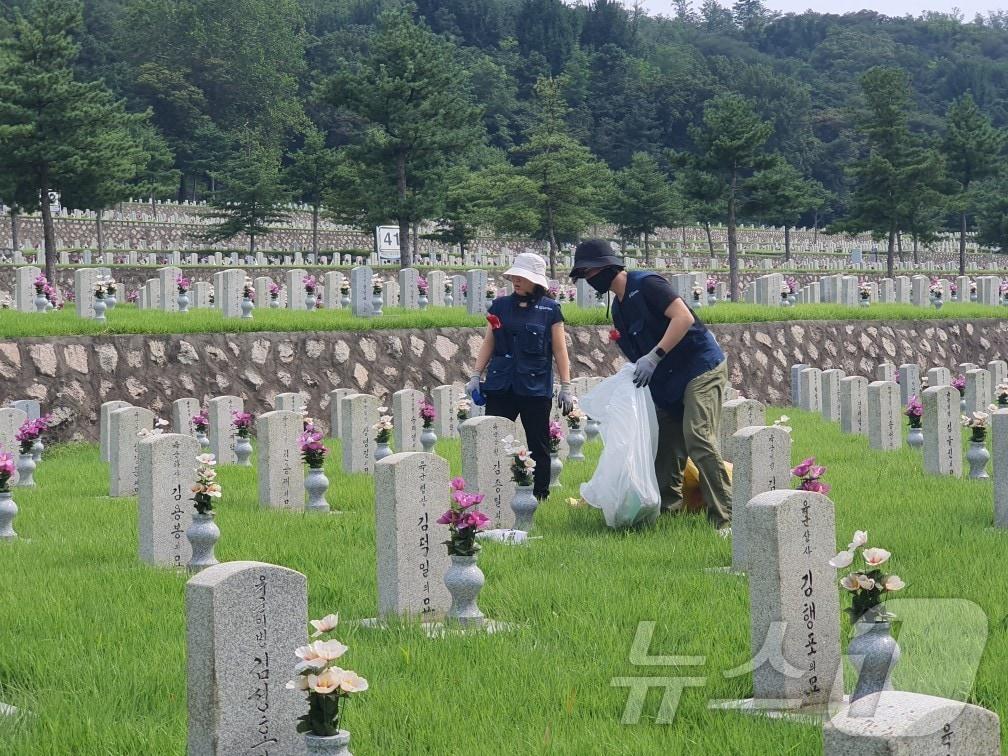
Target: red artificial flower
[614,335]
[494,321]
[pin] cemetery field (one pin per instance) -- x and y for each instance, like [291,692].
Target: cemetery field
[127,319]
[94,640]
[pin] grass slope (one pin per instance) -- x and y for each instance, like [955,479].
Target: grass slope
[93,642]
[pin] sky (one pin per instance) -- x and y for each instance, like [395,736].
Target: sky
[968,8]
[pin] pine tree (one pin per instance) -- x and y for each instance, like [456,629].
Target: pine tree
[643,200]
[779,195]
[312,171]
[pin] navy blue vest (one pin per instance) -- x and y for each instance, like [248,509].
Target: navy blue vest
[522,360]
[640,331]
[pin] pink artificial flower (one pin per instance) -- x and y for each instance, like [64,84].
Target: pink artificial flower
[474,519]
[803,468]
[816,486]
[458,484]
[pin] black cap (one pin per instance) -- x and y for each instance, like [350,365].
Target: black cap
[594,253]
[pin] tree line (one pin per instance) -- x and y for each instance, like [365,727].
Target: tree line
[525,117]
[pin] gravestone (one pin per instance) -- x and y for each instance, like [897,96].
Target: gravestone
[445,422]
[281,470]
[795,383]
[201,295]
[361,283]
[164,498]
[909,382]
[124,453]
[854,404]
[222,434]
[358,413]
[762,463]
[794,605]
[737,414]
[406,418]
[104,412]
[335,398]
[988,290]
[885,431]
[30,407]
[243,622]
[830,399]
[411,492]
[920,291]
[585,295]
[998,370]
[887,291]
[168,288]
[11,419]
[965,367]
[885,371]
[152,290]
[390,294]
[24,287]
[294,280]
[84,289]
[978,390]
[810,389]
[183,411]
[939,376]
[486,467]
[999,454]
[229,294]
[476,303]
[942,435]
[290,401]
[459,287]
[435,288]
[409,295]
[331,289]
[262,284]
[902,289]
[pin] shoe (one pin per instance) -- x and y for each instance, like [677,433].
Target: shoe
[725,532]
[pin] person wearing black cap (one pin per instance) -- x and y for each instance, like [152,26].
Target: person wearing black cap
[680,361]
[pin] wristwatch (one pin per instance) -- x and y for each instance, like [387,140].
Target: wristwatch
[660,352]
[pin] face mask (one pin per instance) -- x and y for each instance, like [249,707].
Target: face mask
[603,279]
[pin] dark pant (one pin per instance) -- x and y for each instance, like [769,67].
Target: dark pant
[535,416]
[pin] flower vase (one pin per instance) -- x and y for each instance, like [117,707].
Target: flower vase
[25,470]
[316,484]
[376,304]
[711,299]
[978,457]
[524,505]
[37,448]
[40,302]
[423,301]
[973,296]
[915,437]
[962,405]
[792,299]
[381,450]
[464,580]
[8,511]
[556,467]
[427,439]
[592,429]
[449,301]
[309,300]
[937,303]
[696,301]
[183,302]
[99,310]
[110,301]
[204,440]
[49,306]
[785,302]
[874,652]
[328,745]
[864,302]
[575,440]
[344,301]
[274,302]
[203,534]
[247,305]
[243,450]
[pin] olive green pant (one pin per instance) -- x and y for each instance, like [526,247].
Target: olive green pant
[695,436]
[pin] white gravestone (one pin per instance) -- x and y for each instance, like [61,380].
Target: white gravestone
[280,469]
[335,399]
[978,390]
[762,463]
[358,413]
[796,383]
[885,430]
[476,302]
[737,414]
[164,498]
[168,288]
[942,435]
[909,381]
[24,288]
[486,467]
[229,294]
[84,289]
[830,398]
[294,280]
[445,421]
[124,455]
[999,455]
[221,432]
[104,412]
[183,411]
[361,283]
[290,401]
[854,404]
[409,295]
[810,389]
[406,418]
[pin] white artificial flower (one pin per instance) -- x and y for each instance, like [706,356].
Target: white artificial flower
[841,560]
[207,459]
[865,582]
[893,583]
[875,557]
[860,539]
[850,582]
[325,624]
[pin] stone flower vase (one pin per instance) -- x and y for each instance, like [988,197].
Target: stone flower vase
[423,301]
[915,437]
[316,484]
[344,301]
[183,302]
[937,302]
[427,439]
[309,300]
[449,301]
[376,304]
[575,440]
[978,457]
[711,299]
[962,404]
[40,302]
[381,450]
[110,301]
[328,745]
[203,534]
[874,652]
[785,301]
[243,450]
[865,302]
[274,302]
[25,469]
[556,467]
[247,305]
[524,505]
[99,309]
[204,440]
[464,580]
[37,448]
[8,511]
[592,429]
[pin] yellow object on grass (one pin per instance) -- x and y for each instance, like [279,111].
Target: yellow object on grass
[692,498]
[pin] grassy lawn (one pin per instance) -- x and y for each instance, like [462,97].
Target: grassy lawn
[93,642]
[127,319]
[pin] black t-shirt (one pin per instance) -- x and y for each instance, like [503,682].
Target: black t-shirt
[659,294]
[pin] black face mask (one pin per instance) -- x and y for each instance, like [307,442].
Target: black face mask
[527,298]
[602,280]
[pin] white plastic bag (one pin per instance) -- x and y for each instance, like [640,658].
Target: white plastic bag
[624,485]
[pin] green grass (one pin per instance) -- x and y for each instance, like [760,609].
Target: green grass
[93,642]
[127,319]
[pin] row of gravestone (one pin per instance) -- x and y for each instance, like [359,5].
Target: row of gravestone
[846,290]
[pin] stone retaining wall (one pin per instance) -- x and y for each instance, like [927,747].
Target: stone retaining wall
[72,376]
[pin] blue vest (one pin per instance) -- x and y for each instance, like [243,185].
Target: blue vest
[522,360]
[640,331]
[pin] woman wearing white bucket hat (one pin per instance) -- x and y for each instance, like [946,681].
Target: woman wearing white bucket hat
[524,335]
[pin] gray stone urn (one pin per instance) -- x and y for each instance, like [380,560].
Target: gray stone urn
[592,429]
[381,450]
[203,534]
[37,448]
[865,302]
[423,301]
[8,511]
[243,450]
[973,296]
[49,306]
[247,305]
[274,301]
[556,467]
[183,302]
[575,440]
[785,302]
[524,505]
[99,309]
[376,304]
[110,301]
[874,652]
[309,300]
[328,745]
[711,299]
[915,437]
[937,302]
[962,405]
[316,484]
[427,439]
[792,299]
[344,301]
[25,470]
[464,580]
[449,301]
[978,457]
[41,300]
[204,440]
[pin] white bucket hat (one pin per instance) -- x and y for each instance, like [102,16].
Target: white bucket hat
[530,266]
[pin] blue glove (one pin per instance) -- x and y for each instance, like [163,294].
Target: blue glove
[473,386]
[644,369]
